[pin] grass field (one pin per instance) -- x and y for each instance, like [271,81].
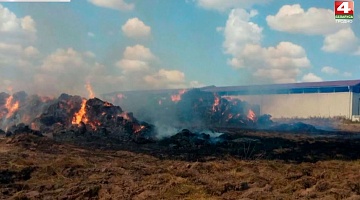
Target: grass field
[39,168]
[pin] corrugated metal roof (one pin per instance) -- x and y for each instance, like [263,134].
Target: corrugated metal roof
[325,84]
[254,88]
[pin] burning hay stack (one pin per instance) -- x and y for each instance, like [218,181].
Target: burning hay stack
[193,108]
[216,111]
[70,115]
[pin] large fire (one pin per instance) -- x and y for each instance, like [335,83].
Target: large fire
[11,106]
[177,97]
[78,117]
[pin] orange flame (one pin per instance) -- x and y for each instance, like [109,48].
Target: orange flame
[177,97]
[80,114]
[251,115]
[90,90]
[94,124]
[126,116]
[216,103]
[10,106]
[107,104]
[138,128]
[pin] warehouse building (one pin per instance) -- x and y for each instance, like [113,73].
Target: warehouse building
[300,100]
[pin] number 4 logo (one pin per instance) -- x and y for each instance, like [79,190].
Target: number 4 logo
[344,7]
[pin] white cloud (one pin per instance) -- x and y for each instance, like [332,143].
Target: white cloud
[196,84]
[132,65]
[282,63]
[28,24]
[314,21]
[18,56]
[16,30]
[338,37]
[91,34]
[347,74]
[135,28]
[341,41]
[63,60]
[239,31]
[138,52]
[89,54]
[17,53]
[166,79]
[310,77]
[31,52]
[135,59]
[138,67]
[113,4]
[329,70]
[68,70]
[223,5]
[14,56]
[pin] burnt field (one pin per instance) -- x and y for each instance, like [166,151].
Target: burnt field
[216,148]
[251,166]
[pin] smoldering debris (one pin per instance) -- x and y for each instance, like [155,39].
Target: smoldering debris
[191,108]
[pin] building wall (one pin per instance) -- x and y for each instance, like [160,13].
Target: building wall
[306,105]
[355,104]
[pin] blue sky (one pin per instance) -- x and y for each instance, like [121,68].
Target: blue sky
[50,48]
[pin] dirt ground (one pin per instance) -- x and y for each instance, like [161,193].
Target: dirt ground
[32,167]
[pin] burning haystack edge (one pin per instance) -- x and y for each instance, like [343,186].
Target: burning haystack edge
[68,115]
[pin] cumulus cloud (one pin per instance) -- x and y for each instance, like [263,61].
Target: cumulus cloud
[17,52]
[329,70]
[239,31]
[316,21]
[333,71]
[223,5]
[310,77]
[196,84]
[135,28]
[67,70]
[135,59]
[113,4]
[129,66]
[17,36]
[15,57]
[16,30]
[342,41]
[138,52]
[281,63]
[166,79]
[138,66]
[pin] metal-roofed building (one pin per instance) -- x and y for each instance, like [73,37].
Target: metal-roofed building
[303,100]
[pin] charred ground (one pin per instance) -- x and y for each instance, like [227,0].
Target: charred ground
[74,148]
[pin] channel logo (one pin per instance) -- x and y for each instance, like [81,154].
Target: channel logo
[344,11]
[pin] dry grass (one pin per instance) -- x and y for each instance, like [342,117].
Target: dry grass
[68,172]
